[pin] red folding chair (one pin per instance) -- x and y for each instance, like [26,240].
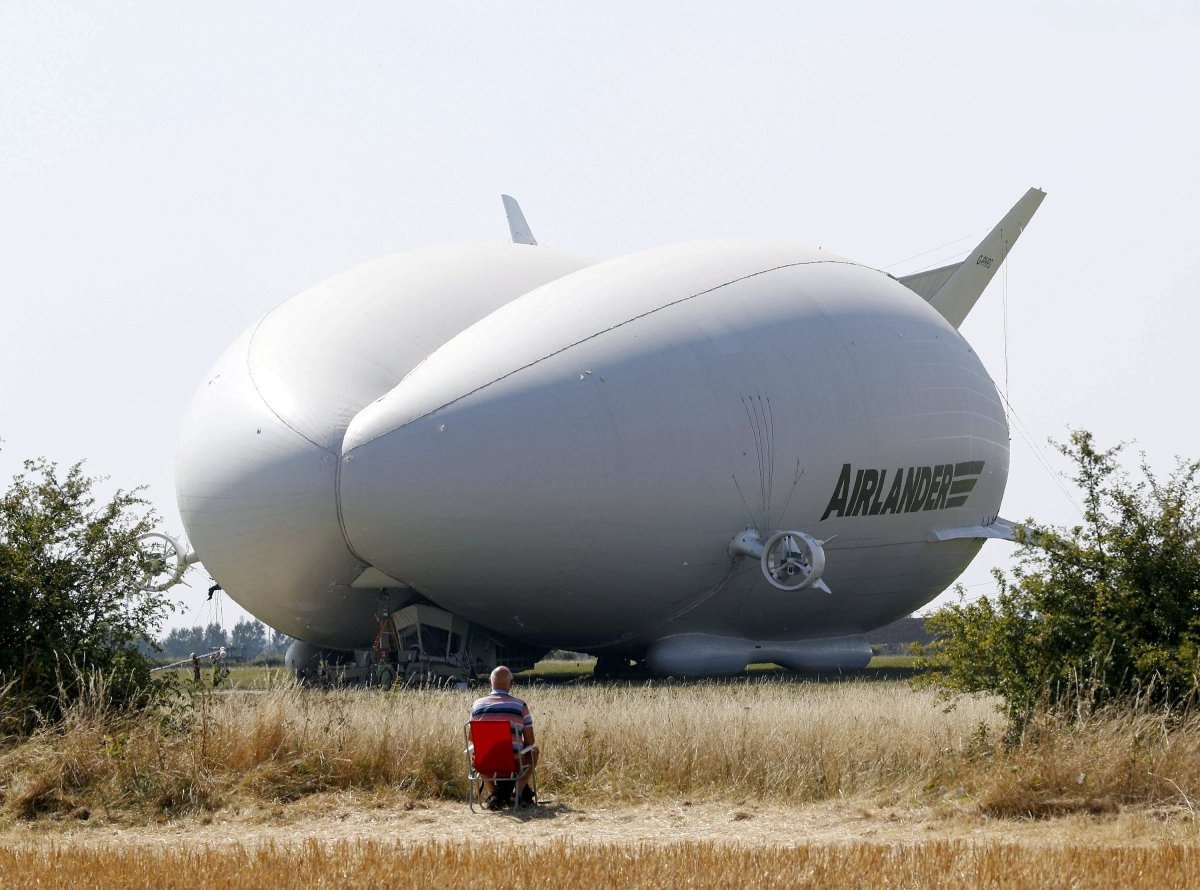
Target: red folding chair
[495,752]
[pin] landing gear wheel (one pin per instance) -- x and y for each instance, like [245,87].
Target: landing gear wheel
[385,676]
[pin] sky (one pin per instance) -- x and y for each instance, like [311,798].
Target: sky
[171,172]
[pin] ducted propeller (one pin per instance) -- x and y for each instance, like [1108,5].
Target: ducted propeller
[790,560]
[166,561]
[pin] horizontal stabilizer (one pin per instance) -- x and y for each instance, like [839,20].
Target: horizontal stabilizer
[957,295]
[925,284]
[1002,529]
[517,227]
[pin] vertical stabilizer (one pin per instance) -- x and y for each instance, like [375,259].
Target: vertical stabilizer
[517,227]
[964,283]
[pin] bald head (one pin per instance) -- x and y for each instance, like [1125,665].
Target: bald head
[502,678]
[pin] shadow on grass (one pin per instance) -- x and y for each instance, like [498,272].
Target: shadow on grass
[881,670]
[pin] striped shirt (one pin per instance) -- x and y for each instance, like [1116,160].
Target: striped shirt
[499,705]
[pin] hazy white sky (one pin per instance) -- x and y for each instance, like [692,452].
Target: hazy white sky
[171,171]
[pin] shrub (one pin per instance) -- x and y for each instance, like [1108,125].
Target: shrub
[70,603]
[1106,611]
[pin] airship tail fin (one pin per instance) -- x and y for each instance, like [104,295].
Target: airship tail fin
[517,227]
[953,290]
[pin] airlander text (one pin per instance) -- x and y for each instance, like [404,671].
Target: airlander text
[866,492]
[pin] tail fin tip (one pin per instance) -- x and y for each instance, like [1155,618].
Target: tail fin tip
[518,228]
[955,289]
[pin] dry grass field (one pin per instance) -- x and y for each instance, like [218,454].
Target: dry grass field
[700,784]
[944,864]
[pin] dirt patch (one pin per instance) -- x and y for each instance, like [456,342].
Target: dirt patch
[345,817]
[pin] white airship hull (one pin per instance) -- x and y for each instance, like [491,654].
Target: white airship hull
[585,456]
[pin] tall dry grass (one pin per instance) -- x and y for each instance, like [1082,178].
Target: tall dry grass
[781,740]
[943,864]
[1117,756]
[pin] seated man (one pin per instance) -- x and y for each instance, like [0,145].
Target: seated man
[500,704]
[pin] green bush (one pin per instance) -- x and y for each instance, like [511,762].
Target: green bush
[70,604]
[1105,611]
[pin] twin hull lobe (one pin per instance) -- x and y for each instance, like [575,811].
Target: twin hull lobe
[570,469]
[258,456]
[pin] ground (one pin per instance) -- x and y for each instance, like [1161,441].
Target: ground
[337,817]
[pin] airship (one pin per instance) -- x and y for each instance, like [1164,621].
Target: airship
[681,461]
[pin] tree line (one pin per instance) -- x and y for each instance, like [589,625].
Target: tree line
[248,640]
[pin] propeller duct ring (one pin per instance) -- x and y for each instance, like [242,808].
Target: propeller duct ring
[792,560]
[166,562]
